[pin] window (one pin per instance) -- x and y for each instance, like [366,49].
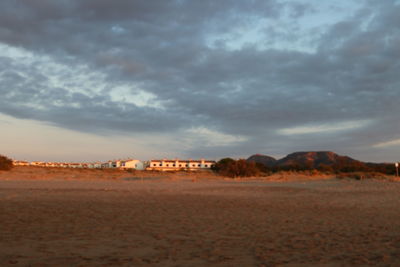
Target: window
[199,165]
[206,165]
[160,164]
[173,165]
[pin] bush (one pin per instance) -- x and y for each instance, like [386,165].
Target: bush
[5,163]
[236,168]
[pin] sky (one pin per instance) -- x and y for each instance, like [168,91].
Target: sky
[95,80]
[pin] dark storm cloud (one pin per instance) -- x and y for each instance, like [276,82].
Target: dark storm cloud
[164,48]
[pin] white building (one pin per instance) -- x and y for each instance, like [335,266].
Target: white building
[115,163]
[176,165]
[132,164]
[123,164]
[20,163]
[75,165]
[105,165]
[38,163]
[94,165]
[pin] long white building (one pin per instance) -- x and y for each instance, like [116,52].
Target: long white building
[158,165]
[176,165]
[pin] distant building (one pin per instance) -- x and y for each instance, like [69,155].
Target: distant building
[176,164]
[160,165]
[75,165]
[51,164]
[106,165]
[38,163]
[94,165]
[132,164]
[115,163]
[121,164]
[20,163]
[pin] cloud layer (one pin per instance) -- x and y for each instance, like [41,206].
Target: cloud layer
[243,72]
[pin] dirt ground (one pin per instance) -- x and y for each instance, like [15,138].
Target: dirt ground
[160,221]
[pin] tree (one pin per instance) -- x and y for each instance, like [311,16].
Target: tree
[5,163]
[222,164]
[236,168]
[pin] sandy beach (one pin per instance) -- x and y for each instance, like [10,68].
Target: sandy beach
[198,222]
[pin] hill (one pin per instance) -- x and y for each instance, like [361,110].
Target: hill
[263,159]
[315,159]
[308,159]
[321,160]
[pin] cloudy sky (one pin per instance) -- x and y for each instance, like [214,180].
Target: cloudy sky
[98,79]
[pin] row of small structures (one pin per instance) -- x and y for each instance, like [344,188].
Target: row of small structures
[152,165]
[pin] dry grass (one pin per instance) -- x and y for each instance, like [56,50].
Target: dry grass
[365,175]
[287,176]
[41,173]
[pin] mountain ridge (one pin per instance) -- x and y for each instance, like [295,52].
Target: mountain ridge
[305,159]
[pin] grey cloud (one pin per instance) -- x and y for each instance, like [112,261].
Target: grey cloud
[32,98]
[162,48]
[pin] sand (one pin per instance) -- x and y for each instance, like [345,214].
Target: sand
[159,221]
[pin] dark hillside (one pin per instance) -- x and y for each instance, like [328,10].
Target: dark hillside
[326,161]
[263,159]
[315,159]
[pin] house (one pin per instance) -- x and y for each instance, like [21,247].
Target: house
[115,164]
[75,165]
[176,164]
[132,164]
[105,165]
[38,163]
[94,165]
[20,163]
[50,164]
[123,164]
